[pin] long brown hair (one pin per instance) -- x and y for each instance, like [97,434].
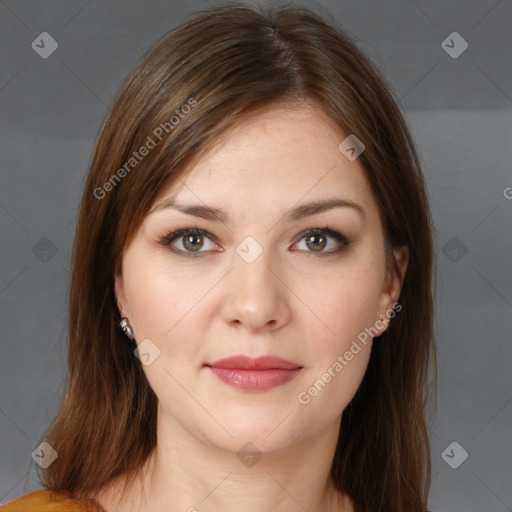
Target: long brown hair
[193,85]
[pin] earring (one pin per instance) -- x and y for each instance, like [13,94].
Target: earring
[382,316]
[126,328]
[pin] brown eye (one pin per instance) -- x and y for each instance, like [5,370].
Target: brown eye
[316,242]
[321,242]
[193,242]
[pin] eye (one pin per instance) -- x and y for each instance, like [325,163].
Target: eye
[316,240]
[189,241]
[192,241]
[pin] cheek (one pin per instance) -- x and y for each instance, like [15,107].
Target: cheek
[152,306]
[166,306]
[343,306]
[346,374]
[329,391]
[347,304]
[161,310]
[159,296]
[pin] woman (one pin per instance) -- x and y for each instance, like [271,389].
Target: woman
[251,305]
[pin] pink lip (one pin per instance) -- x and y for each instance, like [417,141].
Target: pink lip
[251,374]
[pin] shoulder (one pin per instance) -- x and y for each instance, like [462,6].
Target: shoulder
[46,501]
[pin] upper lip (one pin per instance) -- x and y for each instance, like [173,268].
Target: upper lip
[242,362]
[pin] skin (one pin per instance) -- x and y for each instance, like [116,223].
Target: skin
[289,302]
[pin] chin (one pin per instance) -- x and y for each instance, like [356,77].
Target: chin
[252,441]
[268,428]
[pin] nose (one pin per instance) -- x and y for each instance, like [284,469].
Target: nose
[256,296]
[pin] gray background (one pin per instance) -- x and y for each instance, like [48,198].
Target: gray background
[459,113]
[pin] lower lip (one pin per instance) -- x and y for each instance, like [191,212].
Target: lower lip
[255,380]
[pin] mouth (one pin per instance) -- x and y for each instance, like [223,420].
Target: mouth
[254,374]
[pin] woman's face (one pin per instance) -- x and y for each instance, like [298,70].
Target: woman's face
[268,274]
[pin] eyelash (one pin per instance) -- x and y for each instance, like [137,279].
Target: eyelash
[326,231]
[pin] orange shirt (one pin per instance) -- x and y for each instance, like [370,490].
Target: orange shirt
[45,501]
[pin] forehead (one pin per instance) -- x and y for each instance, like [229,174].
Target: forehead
[281,156]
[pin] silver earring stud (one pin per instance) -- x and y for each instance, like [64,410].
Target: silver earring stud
[126,328]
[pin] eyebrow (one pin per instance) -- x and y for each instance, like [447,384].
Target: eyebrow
[297,213]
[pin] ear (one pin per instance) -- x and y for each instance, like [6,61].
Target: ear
[394,279]
[120,294]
